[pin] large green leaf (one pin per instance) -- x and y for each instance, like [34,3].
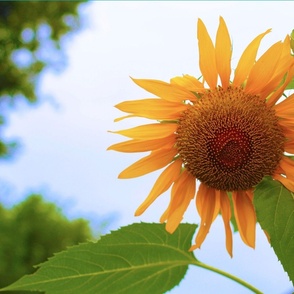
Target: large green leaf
[140,258]
[274,206]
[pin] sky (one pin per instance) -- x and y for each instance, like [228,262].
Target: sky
[64,138]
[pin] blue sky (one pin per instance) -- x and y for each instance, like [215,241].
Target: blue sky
[65,137]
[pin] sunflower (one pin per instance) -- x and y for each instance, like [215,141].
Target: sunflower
[226,132]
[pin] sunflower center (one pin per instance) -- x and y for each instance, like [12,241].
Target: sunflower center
[230,148]
[230,139]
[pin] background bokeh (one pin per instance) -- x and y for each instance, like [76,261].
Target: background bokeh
[64,137]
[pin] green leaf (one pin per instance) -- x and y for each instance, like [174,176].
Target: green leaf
[140,258]
[274,206]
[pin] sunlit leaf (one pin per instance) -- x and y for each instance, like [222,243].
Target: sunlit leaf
[140,258]
[274,206]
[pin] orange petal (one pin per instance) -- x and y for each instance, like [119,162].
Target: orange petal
[289,146]
[208,205]
[182,192]
[247,60]
[283,66]
[150,131]
[226,215]
[156,160]
[144,145]
[162,184]
[287,164]
[287,125]
[223,53]
[189,82]
[288,183]
[153,108]
[173,93]
[277,94]
[263,70]
[207,61]
[288,130]
[285,109]
[245,216]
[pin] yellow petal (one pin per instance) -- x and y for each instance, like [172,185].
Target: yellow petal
[182,192]
[144,145]
[245,217]
[173,93]
[189,82]
[280,70]
[247,60]
[150,131]
[153,108]
[223,53]
[207,202]
[263,70]
[124,117]
[207,61]
[162,184]
[156,160]
[226,215]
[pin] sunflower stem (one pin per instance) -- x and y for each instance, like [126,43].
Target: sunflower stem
[229,276]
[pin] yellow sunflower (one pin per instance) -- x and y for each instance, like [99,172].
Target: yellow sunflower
[226,132]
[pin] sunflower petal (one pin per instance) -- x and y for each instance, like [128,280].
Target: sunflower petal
[153,108]
[245,216]
[263,70]
[287,166]
[223,53]
[288,183]
[285,109]
[124,117]
[289,146]
[144,145]
[188,82]
[207,61]
[247,60]
[282,67]
[277,94]
[182,192]
[226,215]
[162,184]
[175,200]
[149,132]
[156,160]
[207,202]
[173,93]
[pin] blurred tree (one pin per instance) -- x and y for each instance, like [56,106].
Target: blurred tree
[32,231]
[30,41]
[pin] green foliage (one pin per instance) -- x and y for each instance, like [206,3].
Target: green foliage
[275,212]
[31,232]
[30,36]
[140,258]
